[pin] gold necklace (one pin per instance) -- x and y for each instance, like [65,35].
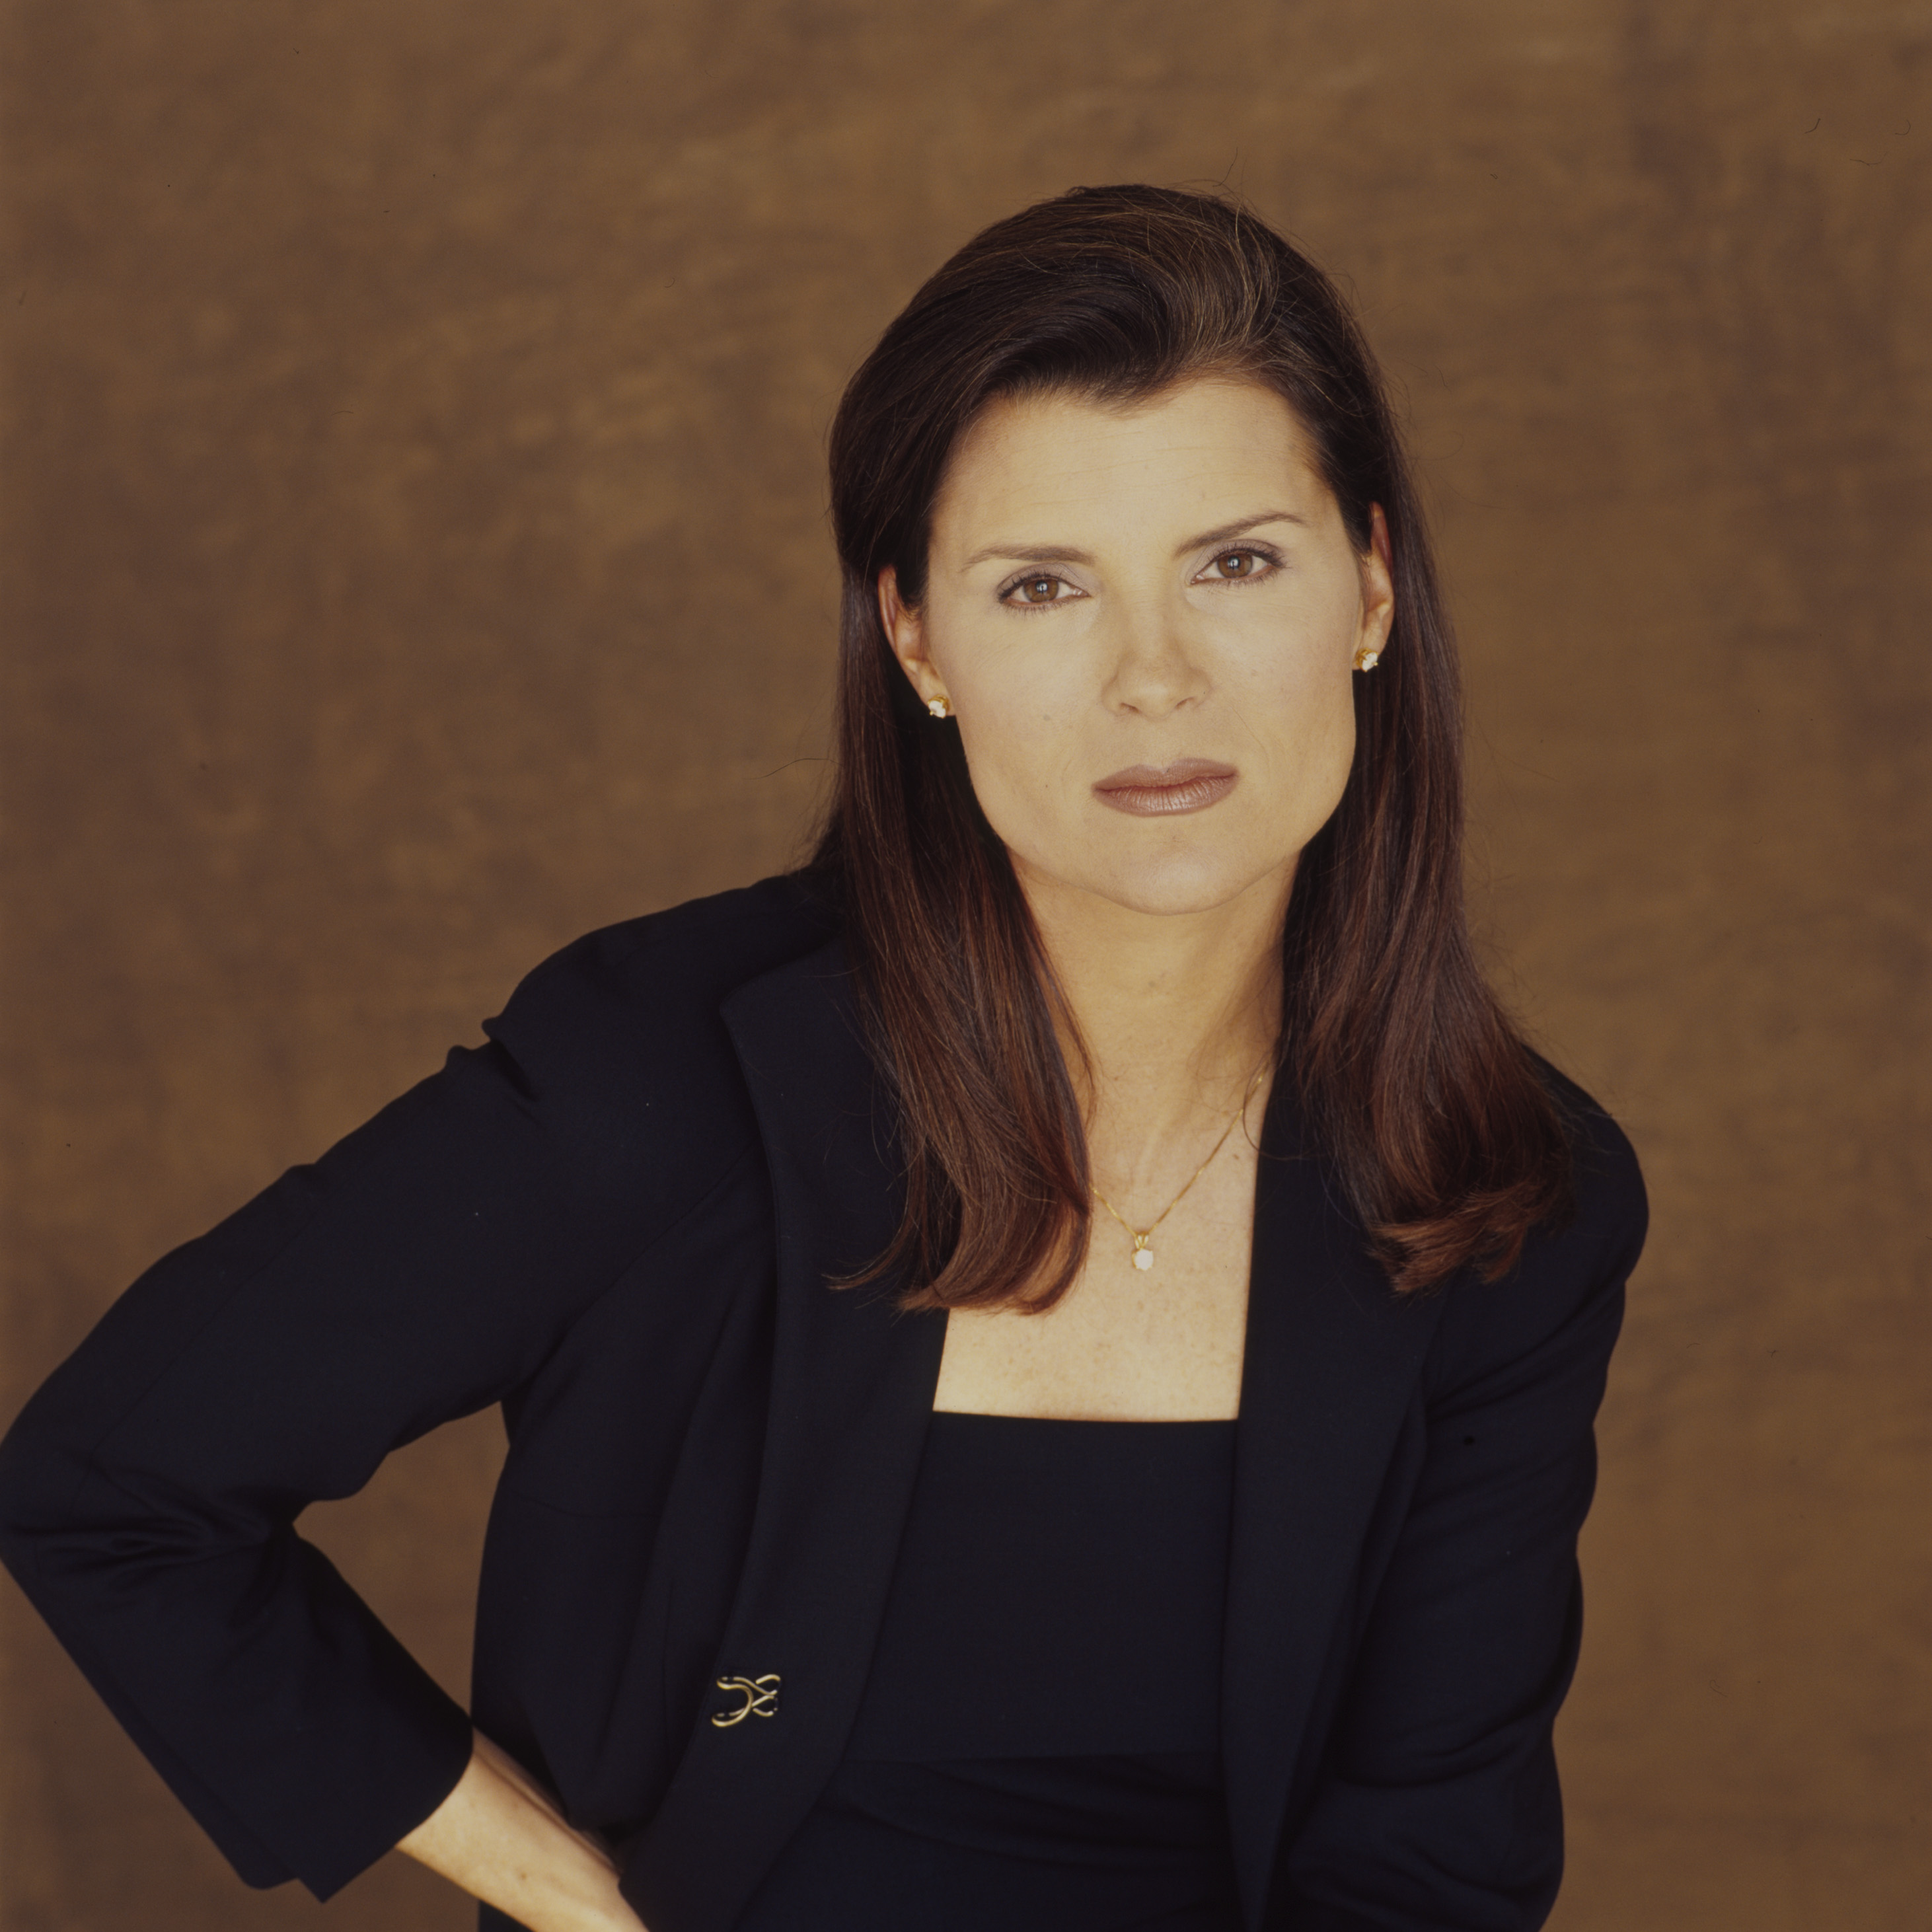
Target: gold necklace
[1143,1254]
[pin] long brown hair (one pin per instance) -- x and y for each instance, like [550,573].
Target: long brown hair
[1444,1138]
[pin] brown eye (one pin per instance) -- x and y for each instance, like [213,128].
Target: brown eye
[1236,563]
[1039,589]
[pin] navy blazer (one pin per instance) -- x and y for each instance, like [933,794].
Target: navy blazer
[618,1220]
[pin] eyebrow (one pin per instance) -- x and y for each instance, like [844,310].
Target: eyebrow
[1065,553]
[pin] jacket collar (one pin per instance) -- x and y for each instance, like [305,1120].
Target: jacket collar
[1331,1366]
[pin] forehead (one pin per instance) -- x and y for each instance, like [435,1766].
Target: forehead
[1206,444]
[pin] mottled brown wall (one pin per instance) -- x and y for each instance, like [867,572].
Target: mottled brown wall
[415,557]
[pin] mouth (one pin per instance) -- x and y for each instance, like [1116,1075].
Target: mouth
[1162,791]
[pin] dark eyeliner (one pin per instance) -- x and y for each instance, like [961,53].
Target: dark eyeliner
[1006,590]
[1268,554]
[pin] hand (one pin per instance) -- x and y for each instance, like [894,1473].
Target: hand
[501,1837]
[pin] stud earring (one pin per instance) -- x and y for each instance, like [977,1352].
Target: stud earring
[939,707]
[1366,659]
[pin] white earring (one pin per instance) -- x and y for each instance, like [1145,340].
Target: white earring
[939,707]
[1367,660]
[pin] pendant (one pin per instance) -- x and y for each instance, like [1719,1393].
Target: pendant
[1143,1254]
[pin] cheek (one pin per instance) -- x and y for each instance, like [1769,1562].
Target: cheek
[1298,711]
[1020,753]
[1297,678]
[1330,747]
[1020,710]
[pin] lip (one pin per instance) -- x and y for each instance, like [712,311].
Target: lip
[1165,791]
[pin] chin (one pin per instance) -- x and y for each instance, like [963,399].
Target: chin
[1195,873]
[1176,887]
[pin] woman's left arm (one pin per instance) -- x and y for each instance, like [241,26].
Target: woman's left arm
[1438,1809]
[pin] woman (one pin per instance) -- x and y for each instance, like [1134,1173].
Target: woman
[1049,1357]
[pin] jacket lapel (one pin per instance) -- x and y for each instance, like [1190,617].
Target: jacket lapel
[852,1387]
[1333,1355]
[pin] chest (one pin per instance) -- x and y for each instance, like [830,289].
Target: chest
[1158,1344]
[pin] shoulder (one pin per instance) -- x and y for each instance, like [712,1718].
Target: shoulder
[1563,1301]
[643,973]
[1609,1210]
[619,1034]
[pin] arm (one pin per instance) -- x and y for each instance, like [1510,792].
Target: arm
[1438,1808]
[501,1837]
[420,1270]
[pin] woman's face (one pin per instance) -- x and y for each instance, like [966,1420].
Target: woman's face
[1145,620]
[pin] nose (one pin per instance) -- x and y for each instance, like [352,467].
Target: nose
[1152,671]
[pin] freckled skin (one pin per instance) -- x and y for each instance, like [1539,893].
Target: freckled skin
[1110,588]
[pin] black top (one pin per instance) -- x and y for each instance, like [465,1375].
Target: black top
[1059,1588]
[1038,1744]
[619,1218]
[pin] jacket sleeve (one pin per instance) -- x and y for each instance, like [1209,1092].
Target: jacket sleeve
[149,1493]
[1438,1809]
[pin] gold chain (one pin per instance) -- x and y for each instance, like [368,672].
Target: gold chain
[1143,1254]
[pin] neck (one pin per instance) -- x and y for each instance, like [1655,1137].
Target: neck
[1174,1011]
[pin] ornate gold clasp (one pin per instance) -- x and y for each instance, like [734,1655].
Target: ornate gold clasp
[761,1699]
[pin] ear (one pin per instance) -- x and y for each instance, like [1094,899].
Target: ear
[905,631]
[1377,568]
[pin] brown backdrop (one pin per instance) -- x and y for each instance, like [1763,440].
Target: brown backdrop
[417,557]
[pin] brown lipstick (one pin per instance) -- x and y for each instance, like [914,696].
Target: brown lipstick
[1161,791]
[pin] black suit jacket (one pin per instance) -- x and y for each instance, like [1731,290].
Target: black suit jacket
[618,1220]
